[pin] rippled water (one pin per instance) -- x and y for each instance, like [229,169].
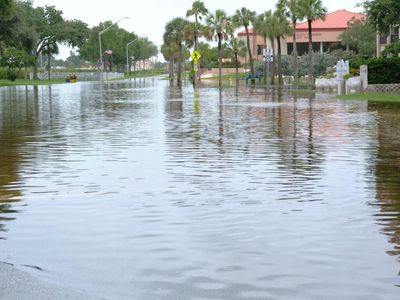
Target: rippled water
[143,191]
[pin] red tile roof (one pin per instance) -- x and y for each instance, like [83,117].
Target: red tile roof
[338,20]
[243,33]
[335,20]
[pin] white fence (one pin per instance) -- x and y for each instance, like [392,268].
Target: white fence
[81,76]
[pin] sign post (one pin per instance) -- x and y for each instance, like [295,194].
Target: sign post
[196,55]
[268,54]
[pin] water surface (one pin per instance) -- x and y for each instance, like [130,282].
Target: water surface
[140,190]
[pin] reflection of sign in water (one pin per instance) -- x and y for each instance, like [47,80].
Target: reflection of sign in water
[196,56]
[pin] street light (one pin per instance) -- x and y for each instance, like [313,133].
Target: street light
[101,51]
[127,55]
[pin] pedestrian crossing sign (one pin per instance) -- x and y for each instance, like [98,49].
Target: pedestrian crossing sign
[196,56]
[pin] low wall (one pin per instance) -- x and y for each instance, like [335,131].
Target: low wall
[384,88]
[81,76]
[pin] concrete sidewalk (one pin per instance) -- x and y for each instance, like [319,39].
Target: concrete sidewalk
[18,285]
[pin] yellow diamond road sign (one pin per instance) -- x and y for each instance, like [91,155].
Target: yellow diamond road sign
[196,56]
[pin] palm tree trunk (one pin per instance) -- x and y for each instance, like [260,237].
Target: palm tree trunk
[265,61]
[295,54]
[173,68]
[220,61]
[179,80]
[273,61]
[196,47]
[280,73]
[237,68]
[253,79]
[170,69]
[310,53]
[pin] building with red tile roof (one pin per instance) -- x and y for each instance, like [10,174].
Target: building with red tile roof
[326,35]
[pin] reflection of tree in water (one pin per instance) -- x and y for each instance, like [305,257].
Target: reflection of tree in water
[239,131]
[18,118]
[295,128]
[387,171]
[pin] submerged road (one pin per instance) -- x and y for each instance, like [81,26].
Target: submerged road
[16,285]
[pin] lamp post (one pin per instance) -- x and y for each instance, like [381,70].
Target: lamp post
[101,51]
[127,55]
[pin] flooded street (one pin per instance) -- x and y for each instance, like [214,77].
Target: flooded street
[139,190]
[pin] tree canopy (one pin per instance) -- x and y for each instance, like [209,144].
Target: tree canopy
[359,36]
[383,13]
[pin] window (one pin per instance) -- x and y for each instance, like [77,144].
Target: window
[383,39]
[260,49]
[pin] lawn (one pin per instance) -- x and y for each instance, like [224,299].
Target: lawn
[377,97]
[29,82]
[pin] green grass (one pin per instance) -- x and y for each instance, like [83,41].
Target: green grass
[226,76]
[381,97]
[146,73]
[29,82]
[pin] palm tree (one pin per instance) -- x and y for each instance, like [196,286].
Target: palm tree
[244,17]
[270,23]
[175,33]
[261,28]
[290,8]
[169,51]
[219,27]
[238,48]
[311,10]
[282,29]
[198,10]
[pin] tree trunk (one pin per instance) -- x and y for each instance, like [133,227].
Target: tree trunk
[170,69]
[253,79]
[173,68]
[310,53]
[35,68]
[237,68]
[179,80]
[220,61]
[295,54]
[273,61]
[265,61]
[48,65]
[280,72]
[196,47]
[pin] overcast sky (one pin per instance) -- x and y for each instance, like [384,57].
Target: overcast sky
[148,17]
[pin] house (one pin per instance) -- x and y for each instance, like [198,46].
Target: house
[326,35]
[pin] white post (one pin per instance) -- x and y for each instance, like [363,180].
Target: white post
[378,44]
[364,77]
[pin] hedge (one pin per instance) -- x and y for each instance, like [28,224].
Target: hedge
[380,70]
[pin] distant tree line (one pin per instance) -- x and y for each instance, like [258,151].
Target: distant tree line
[28,32]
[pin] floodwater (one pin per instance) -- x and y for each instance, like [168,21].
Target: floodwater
[144,191]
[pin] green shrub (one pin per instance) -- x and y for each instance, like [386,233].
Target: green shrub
[5,73]
[347,76]
[380,70]
[12,75]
